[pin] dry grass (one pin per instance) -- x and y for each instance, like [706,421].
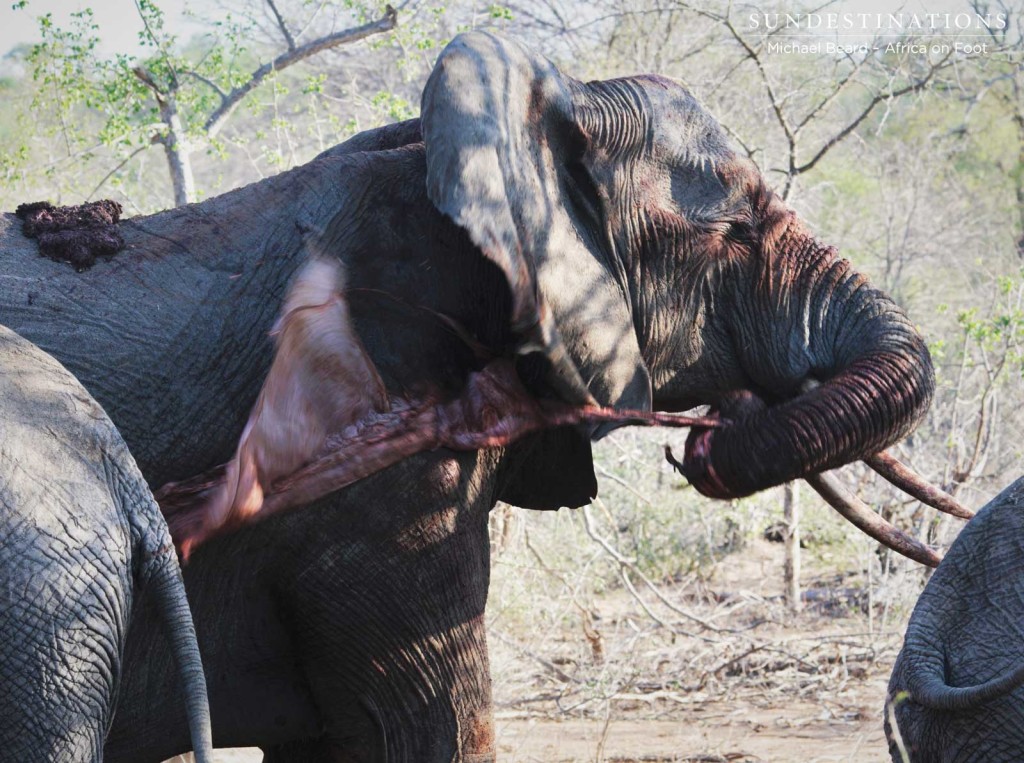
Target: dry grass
[653,626]
[756,682]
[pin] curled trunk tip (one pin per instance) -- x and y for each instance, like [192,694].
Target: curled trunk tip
[932,691]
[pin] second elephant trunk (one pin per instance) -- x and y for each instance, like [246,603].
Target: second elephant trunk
[963,642]
[808,314]
[926,678]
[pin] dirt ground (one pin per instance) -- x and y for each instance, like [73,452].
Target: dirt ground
[750,682]
[757,684]
[707,734]
[712,733]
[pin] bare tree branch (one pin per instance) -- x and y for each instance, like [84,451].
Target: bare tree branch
[147,79]
[284,27]
[174,142]
[879,98]
[293,56]
[627,564]
[312,18]
[159,45]
[790,129]
[209,83]
[828,99]
[110,174]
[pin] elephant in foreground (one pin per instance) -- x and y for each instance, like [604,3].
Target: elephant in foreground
[80,535]
[957,688]
[600,239]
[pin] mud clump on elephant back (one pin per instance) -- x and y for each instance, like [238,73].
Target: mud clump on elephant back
[76,234]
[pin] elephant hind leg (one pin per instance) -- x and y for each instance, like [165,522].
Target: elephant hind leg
[361,743]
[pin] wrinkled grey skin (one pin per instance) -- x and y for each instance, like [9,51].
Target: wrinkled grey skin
[605,233]
[958,682]
[79,534]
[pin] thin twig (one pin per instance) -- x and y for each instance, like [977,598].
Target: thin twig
[284,27]
[209,82]
[121,164]
[623,562]
[536,657]
[879,98]
[159,46]
[220,115]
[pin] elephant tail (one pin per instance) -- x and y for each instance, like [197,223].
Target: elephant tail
[929,688]
[165,583]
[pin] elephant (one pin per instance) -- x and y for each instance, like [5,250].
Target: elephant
[601,239]
[957,688]
[81,535]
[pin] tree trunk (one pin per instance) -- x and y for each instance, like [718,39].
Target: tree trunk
[791,518]
[176,149]
[1018,176]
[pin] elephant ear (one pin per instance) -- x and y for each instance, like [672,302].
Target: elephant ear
[489,111]
[505,154]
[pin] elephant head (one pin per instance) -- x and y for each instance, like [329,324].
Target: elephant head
[690,279]
[646,266]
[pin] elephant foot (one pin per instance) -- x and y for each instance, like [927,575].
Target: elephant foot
[478,738]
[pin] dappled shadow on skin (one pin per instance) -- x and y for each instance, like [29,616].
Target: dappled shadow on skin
[498,279]
[323,420]
[631,185]
[493,408]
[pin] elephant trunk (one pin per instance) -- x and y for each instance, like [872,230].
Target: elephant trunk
[922,668]
[925,681]
[809,315]
[963,628]
[163,578]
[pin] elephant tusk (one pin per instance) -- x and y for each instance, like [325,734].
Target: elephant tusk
[916,486]
[905,478]
[865,519]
